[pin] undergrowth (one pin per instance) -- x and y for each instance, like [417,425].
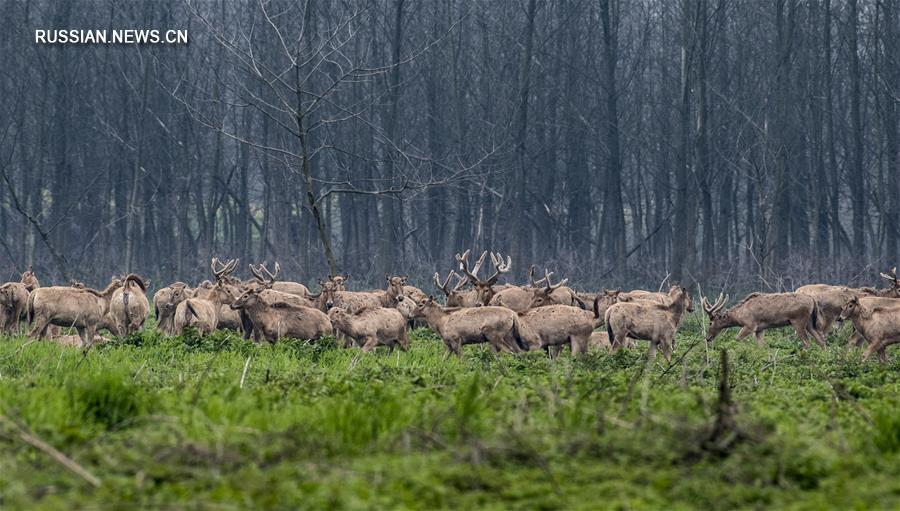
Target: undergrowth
[177,422]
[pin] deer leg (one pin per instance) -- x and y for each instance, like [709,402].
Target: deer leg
[39,331]
[369,344]
[667,349]
[874,346]
[651,351]
[800,328]
[404,340]
[554,351]
[745,331]
[759,338]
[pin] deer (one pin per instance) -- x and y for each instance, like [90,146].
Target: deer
[879,323]
[128,307]
[650,321]
[276,320]
[165,300]
[484,289]
[13,304]
[456,296]
[29,280]
[759,312]
[222,293]
[557,325]
[523,298]
[83,309]
[357,301]
[264,276]
[197,313]
[831,299]
[372,327]
[460,326]
[562,295]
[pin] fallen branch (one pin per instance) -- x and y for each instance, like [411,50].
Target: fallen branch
[51,451]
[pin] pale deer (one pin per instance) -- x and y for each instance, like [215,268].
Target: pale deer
[759,312]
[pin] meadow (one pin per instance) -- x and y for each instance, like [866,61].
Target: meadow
[223,423]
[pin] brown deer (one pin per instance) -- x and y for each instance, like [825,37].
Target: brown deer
[557,325]
[128,307]
[165,301]
[264,276]
[871,302]
[456,296]
[877,323]
[83,309]
[273,321]
[29,280]
[222,293]
[523,298]
[484,289]
[831,299]
[650,321]
[13,304]
[458,327]
[562,295]
[373,327]
[759,312]
[357,301]
[197,313]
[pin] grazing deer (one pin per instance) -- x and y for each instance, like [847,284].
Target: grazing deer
[556,325]
[13,304]
[878,323]
[650,321]
[523,298]
[373,327]
[484,289]
[165,301]
[458,327]
[759,312]
[831,299]
[276,320]
[128,307]
[264,276]
[83,309]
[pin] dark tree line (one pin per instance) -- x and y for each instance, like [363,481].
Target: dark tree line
[614,141]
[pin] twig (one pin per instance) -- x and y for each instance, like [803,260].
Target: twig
[51,451]
[244,374]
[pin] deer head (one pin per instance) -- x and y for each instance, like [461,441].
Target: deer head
[452,294]
[895,282]
[542,294]
[484,288]
[718,319]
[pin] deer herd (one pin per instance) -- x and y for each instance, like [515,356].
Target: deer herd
[509,318]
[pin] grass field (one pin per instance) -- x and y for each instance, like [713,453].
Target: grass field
[171,423]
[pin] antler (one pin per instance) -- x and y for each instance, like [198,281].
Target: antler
[271,275]
[500,267]
[443,287]
[256,271]
[464,265]
[224,269]
[538,282]
[551,287]
[892,276]
[714,308]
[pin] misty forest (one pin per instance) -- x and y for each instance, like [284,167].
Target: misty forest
[721,142]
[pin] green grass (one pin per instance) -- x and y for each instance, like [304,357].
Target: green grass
[164,423]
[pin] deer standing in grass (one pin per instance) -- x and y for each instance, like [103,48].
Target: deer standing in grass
[650,321]
[759,312]
[877,323]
